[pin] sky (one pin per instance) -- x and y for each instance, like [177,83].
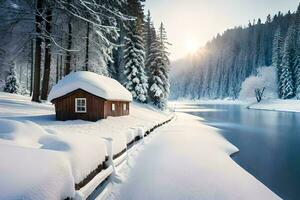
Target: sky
[191,23]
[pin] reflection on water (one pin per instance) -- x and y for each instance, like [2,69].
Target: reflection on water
[269,143]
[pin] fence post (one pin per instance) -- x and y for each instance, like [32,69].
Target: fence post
[110,152]
[141,133]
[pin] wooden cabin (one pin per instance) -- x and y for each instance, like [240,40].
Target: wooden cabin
[89,96]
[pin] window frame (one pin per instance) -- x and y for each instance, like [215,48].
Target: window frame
[124,106]
[76,105]
[113,107]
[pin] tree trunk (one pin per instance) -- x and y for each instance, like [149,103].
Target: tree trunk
[87,47]
[27,76]
[47,66]
[75,66]
[32,66]
[68,57]
[38,50]
[20,76]
[61,68]
[57,68]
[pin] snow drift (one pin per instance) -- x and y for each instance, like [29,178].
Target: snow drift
[27,173]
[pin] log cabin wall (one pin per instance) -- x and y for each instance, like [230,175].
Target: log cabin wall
[119,111]
[65,107]
[97,108]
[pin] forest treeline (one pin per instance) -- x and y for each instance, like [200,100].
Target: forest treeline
[219,68]
[44,40]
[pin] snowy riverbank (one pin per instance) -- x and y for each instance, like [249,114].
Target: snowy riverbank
[185,160]
[45,158]
[206,102]
[292,105]
[277,105]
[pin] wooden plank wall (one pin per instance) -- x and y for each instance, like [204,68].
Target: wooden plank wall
[97,108]
[65,107]
[119,108]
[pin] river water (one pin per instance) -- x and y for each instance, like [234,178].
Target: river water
[269,142]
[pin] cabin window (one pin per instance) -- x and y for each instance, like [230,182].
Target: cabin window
[80,105]
[113,107]
[124,106]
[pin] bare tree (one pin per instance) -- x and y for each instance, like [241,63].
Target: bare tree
[259,94]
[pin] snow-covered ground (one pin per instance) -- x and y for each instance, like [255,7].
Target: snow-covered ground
[42,158]
[185,160]
[277,105]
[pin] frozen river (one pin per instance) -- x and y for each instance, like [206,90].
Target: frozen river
[269,143]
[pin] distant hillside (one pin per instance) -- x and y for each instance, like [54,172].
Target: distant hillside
[218,69]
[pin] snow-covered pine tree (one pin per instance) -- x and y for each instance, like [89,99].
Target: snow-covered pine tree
[149,35]
[296,67]
[12,84]
[135,75]
[297,73]
[286,77]
[159,70]
[277,56]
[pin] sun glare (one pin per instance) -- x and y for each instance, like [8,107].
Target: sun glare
[191,46]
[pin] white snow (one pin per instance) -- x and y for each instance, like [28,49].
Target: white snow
[197,102]
[42,158]
[185,160]
[83,152]
[92,185]
[291,105]
[67,151]
[277,105]
[27,173]
[98,85]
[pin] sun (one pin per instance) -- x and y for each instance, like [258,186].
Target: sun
[191,45]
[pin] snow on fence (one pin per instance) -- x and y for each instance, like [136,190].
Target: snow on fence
[96,178]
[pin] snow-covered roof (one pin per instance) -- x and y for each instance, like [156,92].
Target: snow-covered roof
[93,83]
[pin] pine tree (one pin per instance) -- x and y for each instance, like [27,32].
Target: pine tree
[296,68]
[149,35]
[297,74]
[136,79]
[12,83]
[136,9]
[286,77]
[159,70]
[277,55]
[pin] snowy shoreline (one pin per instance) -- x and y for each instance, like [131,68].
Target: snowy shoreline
[215,176]
[266,104]
[277,105]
